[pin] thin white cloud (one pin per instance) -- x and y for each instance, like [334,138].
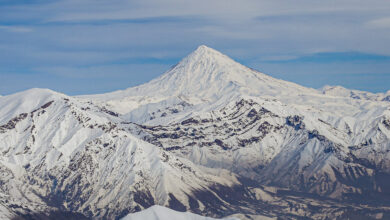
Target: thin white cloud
[379,23]
[230,11]
[15,29]
[278,58]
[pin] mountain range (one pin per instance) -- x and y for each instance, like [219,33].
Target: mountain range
[209,136]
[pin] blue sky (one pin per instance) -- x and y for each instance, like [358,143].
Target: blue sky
[95,46]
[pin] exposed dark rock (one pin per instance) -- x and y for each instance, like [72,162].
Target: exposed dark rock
[295,121]
[329,149]
[57,215]
[189,121]
[109,112]
[145,199]
[386,122]
[12,123]
[47,105]
[174,111]
[42,107]
[315,134]
[175,204]
[221,144]
[246,142]
[173,148]
[194,204]
[252,113]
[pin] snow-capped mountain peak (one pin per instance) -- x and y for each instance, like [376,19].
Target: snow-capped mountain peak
[205,69]
[26,101]
[204,51]
[206,74]
[205,57]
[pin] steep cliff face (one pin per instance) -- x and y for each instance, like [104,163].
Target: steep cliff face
[209,136]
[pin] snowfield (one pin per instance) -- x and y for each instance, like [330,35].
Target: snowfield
[163,213]
[209,136]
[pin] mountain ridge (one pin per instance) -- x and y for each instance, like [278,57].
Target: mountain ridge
[201,78]
[209,136]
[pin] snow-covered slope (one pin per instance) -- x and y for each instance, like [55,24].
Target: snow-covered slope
[210,136]
[162,213]
[76,156]
[208,75]
[207,80]
[5,213]
[355,94]
[205,75]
